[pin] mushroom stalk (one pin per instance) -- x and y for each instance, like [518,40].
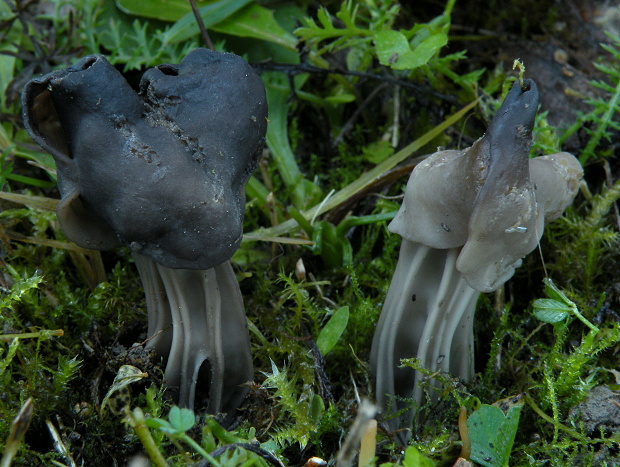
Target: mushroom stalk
[197,318]
[428,307]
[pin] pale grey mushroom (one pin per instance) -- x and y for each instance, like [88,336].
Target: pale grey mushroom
[467,220]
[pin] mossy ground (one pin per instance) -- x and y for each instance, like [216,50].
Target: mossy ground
[339,127]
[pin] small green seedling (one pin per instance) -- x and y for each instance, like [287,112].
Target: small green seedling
[564,371]
[330,241]
[557,307]
[179,421]
[176,427]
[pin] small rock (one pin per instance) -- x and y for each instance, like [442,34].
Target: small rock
[600,411]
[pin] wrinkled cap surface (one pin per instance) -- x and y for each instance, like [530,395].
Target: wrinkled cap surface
[489,199]
[162,171]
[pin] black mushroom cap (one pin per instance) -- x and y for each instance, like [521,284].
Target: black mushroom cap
[162,171]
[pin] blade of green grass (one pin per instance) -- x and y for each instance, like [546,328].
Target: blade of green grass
[367,178]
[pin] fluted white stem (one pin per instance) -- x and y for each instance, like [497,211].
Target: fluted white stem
[197,321]
[428,314]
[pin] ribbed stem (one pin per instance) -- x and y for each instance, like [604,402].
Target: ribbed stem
[197,321]
[428,314]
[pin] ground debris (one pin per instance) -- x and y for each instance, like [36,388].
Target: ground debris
[600,411]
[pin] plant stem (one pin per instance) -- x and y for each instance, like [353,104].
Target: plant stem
[549,419]
[43,334]
[198,448]
[137,422]
[583,319]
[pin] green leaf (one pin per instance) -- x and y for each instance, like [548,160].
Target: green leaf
[391,46]
[7,65]
[165,10]
[413,458]
[223,436]
[492,434]
[394,50]
[550,311]
[211,14]
[258,23]
[43,159]
[555,293]
[330,334]
[303,191]
[159,424]
[181,419]
[562,304]
[340,99]
[317,408]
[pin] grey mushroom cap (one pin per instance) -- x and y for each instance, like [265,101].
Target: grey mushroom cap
[489,199]
[163,171]
[556,180]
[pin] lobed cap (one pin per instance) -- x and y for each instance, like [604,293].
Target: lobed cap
[162,171]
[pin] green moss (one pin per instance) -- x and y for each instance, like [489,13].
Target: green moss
[341,117]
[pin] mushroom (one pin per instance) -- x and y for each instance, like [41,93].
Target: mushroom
[163,172]
[467,220]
